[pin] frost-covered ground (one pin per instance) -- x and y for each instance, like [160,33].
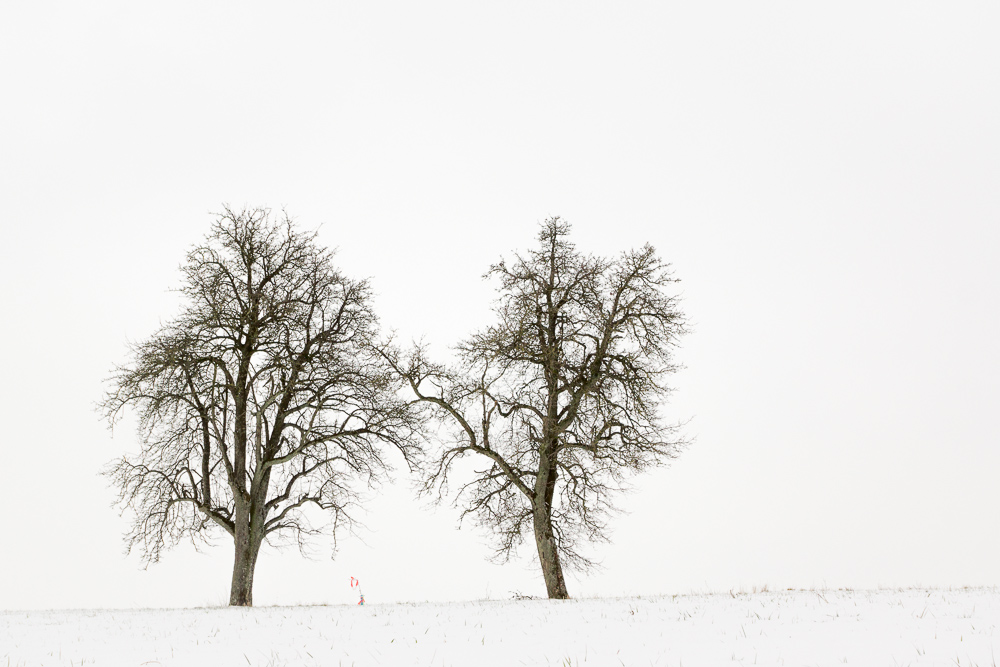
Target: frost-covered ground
[884,627]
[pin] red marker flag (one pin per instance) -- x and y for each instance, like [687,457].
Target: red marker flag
[356,583]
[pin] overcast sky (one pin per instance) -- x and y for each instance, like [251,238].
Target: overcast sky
[822,176]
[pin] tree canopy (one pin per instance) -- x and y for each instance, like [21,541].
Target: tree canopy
[559,399]
[266,399]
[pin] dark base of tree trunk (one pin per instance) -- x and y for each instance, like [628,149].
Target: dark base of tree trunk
[241,591]
[240,599]
[548,557]
[557,592]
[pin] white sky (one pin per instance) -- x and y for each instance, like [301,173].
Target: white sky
[823,177]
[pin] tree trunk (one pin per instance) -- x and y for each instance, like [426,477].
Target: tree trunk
[245,560]
[548,556]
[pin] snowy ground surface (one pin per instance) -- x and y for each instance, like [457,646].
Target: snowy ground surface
[884,627]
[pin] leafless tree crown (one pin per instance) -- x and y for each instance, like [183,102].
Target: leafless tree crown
[265,397]
[560,397]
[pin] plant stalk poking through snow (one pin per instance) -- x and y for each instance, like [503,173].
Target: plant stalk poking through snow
[559,398]
[260,402]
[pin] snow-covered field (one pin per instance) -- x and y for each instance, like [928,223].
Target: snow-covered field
[884,627]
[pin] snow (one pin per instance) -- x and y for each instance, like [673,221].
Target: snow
[882,627]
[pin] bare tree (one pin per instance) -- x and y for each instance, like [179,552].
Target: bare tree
[261,403]
[559,398]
